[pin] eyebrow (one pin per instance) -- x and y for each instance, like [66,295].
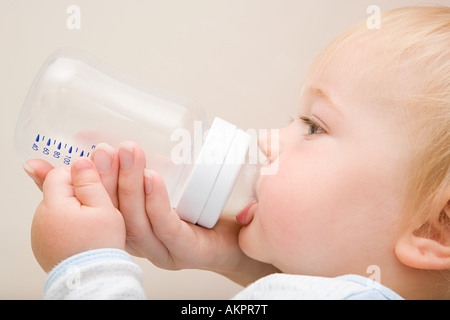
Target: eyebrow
[319,93]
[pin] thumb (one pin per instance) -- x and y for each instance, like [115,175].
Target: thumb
[87,184]
[165,222]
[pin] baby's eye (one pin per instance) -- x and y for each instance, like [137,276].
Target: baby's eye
[313,127]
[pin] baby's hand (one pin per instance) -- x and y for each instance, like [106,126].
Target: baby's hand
[75,215]
[153,228]
[155,231]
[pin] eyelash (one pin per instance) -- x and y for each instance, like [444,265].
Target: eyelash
[313,127]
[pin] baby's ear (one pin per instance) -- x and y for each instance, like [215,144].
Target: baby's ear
[428,247]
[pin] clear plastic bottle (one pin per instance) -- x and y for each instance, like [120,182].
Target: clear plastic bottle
[77,102]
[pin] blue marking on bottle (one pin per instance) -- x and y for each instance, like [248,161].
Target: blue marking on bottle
[58,146]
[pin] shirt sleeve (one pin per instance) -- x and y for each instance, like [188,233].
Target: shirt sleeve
[96,274]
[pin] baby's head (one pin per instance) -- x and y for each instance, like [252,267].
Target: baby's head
[364,169]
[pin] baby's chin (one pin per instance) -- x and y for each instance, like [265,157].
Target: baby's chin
[246,244]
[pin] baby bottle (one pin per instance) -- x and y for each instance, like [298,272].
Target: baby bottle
[76,102]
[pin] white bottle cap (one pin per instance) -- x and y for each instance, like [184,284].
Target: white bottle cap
[214,174]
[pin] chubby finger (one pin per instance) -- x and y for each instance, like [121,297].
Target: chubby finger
[37,170]
[87,185]
[165,222]
[106,160]
[57,185]
[131,189]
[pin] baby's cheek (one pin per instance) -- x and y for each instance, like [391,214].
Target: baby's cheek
[291,219]
[276,211]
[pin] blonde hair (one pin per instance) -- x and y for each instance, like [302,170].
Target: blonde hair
[416,40]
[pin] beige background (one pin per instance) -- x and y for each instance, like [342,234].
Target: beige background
[243,60]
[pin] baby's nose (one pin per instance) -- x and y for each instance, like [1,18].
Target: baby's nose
[269,143]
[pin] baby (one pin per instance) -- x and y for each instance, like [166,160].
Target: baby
[363,188]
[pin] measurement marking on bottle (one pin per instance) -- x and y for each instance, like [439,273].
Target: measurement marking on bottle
[55,150]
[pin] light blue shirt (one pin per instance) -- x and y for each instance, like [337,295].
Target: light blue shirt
[298,287]
[112,274]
